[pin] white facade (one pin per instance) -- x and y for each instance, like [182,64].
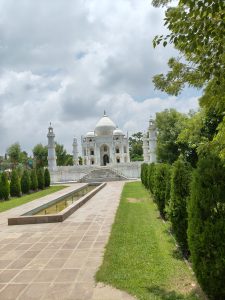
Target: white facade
[149,142]
[106,144]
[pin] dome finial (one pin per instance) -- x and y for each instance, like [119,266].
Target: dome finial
[104,113]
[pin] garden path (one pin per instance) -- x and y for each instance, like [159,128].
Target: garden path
[59,260]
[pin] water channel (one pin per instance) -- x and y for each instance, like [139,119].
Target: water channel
[65,202]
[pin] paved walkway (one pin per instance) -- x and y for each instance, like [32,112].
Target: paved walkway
[58,261]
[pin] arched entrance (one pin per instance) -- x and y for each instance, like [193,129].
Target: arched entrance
[104,155]
[105,159]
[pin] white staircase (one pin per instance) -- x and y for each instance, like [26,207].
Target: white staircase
[103,174]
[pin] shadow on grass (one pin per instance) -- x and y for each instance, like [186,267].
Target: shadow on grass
[177,254]
[168,295]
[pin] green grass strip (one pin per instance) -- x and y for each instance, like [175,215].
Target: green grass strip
[5,205]
[141,257]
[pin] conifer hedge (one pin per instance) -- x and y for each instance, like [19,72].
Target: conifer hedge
[33,179]
[151,174]
[15,186]
[25,182]
[47,178]
[144,172]
[179,194]
[161,180]
[41,178]
[206,225]
[4,186]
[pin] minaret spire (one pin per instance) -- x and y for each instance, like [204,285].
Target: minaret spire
[51,148]
[75,152]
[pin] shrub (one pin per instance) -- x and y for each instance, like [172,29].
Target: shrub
[4,186]
[206,225]
[144,170]
[33,179]
[41,179]
[47,178]
[151,173]
[168,185]
[162,171]
[25,182]
[179,194]
[15,187]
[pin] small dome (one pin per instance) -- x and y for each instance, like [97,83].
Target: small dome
[105,126]
[90,134]
[118,132]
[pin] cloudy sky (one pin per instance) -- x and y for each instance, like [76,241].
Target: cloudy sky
[66,61]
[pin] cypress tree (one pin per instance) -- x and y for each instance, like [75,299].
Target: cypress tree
[179,194]
[160,186]
[47,178]
[25,182]
[41,179]
[1,194]
[15,186]
[144,170]
[34,181]
[151,174]
[4,186]
[206,225]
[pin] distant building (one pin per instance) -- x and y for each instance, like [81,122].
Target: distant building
[105,144]
[105,154]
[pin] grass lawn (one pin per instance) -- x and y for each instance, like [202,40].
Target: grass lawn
[141,256]
[5,205]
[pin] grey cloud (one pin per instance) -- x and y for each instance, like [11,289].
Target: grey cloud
[67,61]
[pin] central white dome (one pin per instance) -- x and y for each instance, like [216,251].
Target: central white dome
[105,126]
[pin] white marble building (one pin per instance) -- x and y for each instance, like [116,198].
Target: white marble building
[106,144]
[106,148]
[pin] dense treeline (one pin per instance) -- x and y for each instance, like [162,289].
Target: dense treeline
[196,207]
[193,200]
[18,183]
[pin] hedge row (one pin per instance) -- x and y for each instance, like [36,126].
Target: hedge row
[194,202]
[29,181]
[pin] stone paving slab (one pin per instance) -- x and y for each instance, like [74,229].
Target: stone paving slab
[59,260]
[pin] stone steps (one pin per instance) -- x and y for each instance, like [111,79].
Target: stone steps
[101,175]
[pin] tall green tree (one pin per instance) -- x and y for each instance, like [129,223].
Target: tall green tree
[41,178]
[196,29]
[4,186]
[135,145]
[40,153]
[161,179]
[14,153]
[15,186]
[62,157]
[47,178]
[206,225]
[34,181]
[169,124]
[25,182]
[179,194]
[24,158]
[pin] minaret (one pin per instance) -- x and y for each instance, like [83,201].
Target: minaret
[152,140]
[145,148]
[75,153]
[128,148]
[51,149]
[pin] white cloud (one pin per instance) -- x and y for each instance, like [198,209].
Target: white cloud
[67,61]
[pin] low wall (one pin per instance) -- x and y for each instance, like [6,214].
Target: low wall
[74,173]
[129,170]
[54,218]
